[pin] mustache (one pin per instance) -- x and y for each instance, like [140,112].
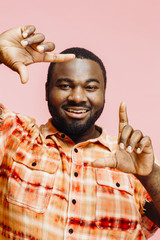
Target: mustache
[73,104]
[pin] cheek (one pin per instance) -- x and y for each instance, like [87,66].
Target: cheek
[97,101]
[57,97]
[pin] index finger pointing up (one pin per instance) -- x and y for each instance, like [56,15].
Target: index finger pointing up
[123,118]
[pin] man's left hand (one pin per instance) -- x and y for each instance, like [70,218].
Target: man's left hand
[134,152]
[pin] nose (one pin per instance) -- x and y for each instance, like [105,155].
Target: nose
[77,95]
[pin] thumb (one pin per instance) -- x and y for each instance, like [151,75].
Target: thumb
[109,161]
[22,71]
[123,118]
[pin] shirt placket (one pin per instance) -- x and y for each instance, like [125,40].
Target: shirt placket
[76,188]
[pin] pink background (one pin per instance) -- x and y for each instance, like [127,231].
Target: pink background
[124,33]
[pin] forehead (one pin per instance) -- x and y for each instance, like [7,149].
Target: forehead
[81,69]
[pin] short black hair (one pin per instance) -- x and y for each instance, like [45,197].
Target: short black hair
[83,54]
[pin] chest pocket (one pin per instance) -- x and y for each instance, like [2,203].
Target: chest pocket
[115,206]
[32,175]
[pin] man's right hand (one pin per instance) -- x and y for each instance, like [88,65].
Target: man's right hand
[21,46]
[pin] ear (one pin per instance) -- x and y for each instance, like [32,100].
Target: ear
[46,91]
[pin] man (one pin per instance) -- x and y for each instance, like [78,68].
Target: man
[68,179]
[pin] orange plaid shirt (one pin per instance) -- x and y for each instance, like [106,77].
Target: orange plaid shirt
[49,189]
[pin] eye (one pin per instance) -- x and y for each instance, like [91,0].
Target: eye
[64,86]
[91,88]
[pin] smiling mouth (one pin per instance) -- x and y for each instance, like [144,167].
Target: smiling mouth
[78,111]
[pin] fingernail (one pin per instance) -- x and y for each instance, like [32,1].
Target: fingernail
[129,149]
[25,34]
[121,145]
[24,43]
[138,150]
[40,48]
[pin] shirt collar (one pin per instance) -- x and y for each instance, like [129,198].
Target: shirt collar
[49,130]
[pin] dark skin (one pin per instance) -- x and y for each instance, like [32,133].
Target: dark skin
[76,96]
[21,46]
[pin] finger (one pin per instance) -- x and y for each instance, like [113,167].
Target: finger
[22,71]
[124,137]
[145,142]
[109,161]
[123,118]
[36,39]
[27,30]
[46,47]
[134,140]
[55,57]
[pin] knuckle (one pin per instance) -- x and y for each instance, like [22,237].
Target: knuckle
[32,27]
[29,29]
[147,139]
[138,132]
[123,120]
[55,57]
[49,46]
[39,37]
[145,142]
[52,45]
[127,128]
[42,36]
[14,66]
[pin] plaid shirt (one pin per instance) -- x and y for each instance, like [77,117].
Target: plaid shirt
[49,189]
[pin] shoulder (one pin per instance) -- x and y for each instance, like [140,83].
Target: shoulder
[10,119]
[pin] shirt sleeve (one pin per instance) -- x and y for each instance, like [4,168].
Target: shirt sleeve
[141,196]
[7,125]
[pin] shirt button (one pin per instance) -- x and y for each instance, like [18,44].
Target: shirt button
[72,220]
[74,201]
[76,174]
[70,230]
[118,184]
[76,150]
[34,164]
[63,135]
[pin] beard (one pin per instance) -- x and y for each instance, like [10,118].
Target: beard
[76,128]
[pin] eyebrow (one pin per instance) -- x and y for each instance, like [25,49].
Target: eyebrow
[64,80]
[93,80]
[70,80]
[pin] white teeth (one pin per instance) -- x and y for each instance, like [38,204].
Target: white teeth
[76,111]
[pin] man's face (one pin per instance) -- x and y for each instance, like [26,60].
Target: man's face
[76,95]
